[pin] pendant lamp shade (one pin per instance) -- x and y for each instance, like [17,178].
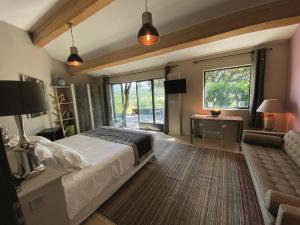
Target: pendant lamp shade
[148,34]
[74,59]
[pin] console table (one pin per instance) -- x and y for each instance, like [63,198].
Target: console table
[237,119]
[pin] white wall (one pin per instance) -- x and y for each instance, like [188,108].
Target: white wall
[19,55]
[275,84]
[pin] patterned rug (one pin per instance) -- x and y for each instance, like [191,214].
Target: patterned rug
[186,185]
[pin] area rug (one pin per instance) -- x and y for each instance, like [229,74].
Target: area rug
[187,185]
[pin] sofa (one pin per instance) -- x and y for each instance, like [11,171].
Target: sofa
[273,160]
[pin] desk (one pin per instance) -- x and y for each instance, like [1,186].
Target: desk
[237,119]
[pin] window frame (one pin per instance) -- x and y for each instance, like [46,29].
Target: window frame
[221,108]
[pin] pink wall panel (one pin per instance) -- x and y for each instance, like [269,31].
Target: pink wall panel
[293,116]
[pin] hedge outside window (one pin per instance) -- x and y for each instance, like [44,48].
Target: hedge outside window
[227,88]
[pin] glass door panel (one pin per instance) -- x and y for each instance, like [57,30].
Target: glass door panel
[145,104]
[132,114]
[117,97]
[159,101]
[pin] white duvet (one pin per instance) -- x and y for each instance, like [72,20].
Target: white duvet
[108,161]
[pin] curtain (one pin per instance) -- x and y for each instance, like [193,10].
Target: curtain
[166,125]
[107,119]
[258,62]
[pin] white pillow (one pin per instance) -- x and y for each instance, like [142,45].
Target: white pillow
[13,142]
[67,159]
[46,157]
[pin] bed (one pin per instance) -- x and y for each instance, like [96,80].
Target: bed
[110,163]
[88,188]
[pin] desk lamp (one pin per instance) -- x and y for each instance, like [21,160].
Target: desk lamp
[16,99]
[270,106]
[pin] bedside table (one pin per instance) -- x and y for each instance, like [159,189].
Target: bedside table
[42,200]
[53,134]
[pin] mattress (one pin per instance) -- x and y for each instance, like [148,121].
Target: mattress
[109,161]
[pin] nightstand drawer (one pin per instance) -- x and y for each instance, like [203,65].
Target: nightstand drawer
[45,205]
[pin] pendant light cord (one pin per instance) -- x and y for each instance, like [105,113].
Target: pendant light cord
[71,26]
[146,6]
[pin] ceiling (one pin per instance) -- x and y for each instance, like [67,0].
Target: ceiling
[25,14]
[116,26]
[245,41]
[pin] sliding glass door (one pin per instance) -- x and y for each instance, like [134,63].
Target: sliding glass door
[146,103]
[159,102]
[132,118]
[117,101]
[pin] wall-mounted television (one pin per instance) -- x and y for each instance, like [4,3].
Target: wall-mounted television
[175,86]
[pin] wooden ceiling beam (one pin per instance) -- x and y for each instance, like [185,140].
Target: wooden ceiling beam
[271,15]
[74,11]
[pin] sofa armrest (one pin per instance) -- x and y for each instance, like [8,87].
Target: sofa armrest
[262,139]
[274,199]
[288,215]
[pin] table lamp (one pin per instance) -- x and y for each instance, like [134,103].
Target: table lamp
[16,99]
[270,106]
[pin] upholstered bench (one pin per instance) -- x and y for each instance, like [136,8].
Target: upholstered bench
[273,160]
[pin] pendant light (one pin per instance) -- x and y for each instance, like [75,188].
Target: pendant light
[74,59]
[148,35]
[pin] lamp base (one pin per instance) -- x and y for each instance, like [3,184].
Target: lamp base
[269,122]
[28,163]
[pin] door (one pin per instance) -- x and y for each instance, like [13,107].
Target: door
[83,107]
[118,101]
[145,104]
[97,105]
[159,103]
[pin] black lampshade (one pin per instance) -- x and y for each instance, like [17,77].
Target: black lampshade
[21,97]
[148,35]
[74,59]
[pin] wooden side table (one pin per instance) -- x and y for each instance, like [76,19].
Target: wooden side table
[237,119]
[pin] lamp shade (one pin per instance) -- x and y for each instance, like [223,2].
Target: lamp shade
[21,97]
[271,106]
[74,59]
[148,35]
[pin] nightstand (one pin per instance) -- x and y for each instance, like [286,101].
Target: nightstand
[54,133]
[42,200]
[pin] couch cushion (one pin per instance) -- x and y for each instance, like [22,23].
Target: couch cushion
[263,140]
[292,146]
[272,169]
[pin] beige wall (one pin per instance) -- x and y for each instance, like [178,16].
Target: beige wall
[275,84]
[19,55]
[277,68]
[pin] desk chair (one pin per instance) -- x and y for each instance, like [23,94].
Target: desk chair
[213,127]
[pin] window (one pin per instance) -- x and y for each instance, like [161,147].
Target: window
[227,88]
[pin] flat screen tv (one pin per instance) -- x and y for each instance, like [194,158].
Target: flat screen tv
[175,86]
